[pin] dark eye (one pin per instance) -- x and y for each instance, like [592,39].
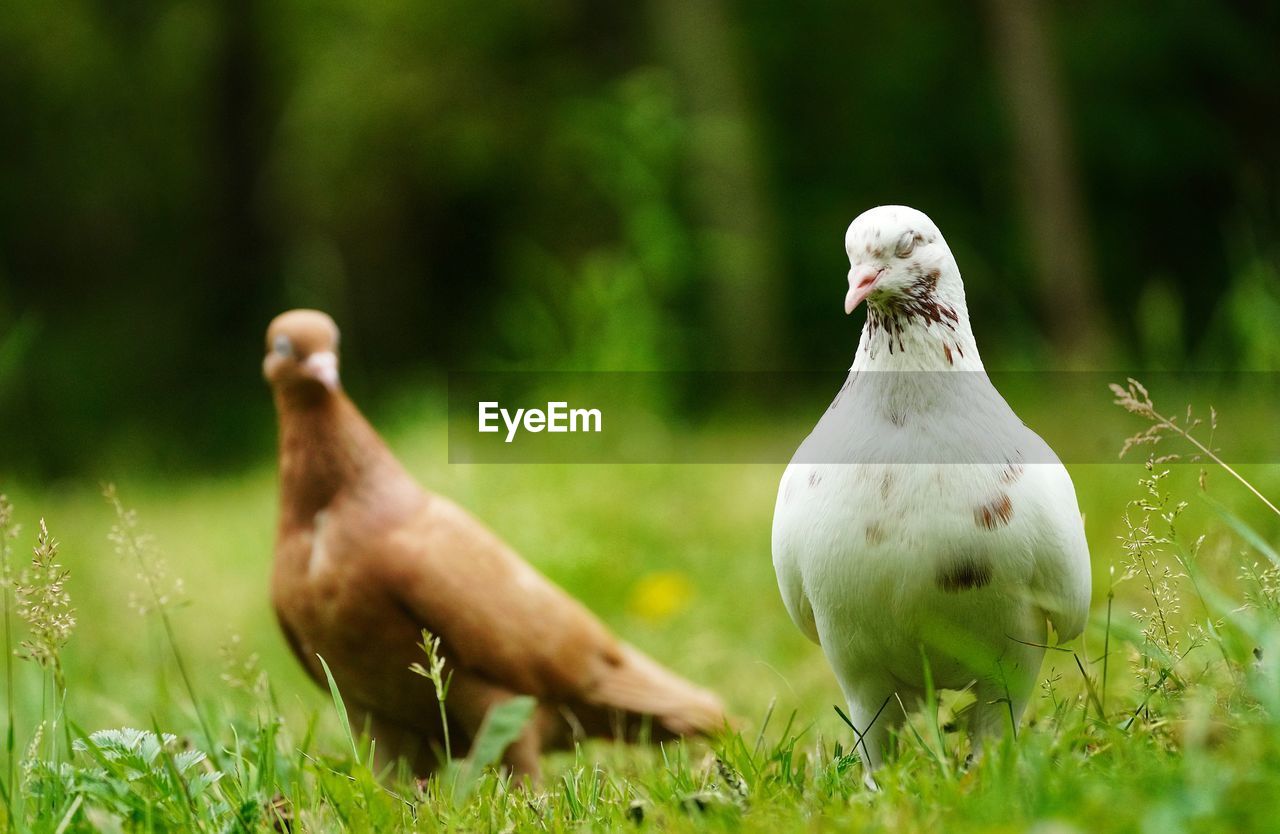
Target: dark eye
[906,243]
[283,345]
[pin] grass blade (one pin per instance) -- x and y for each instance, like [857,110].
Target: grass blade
[1256,541]
[341,707]
[70,814]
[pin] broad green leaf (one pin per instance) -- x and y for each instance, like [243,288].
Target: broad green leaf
[502,726]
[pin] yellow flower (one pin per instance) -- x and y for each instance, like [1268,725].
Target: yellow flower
[660,595]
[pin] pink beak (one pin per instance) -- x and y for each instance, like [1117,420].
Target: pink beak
[323,367]
[862,280]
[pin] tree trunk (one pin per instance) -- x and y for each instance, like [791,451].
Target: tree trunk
[1047,181]
[736,230]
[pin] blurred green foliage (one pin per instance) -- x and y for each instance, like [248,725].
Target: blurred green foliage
[582,185]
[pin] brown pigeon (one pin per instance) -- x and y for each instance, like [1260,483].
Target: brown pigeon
[366,559]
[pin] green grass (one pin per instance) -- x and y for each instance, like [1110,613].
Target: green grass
[676,559]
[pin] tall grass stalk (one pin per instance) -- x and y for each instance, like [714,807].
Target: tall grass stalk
[1106,638]
[8,532]
[1136,400]
[43,603]
[133,545]
[434,672]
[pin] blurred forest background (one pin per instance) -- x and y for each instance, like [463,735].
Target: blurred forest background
[562,184]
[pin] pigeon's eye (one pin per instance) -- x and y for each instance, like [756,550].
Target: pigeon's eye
[283,345]
[906,243]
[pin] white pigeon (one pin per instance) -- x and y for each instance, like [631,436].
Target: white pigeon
[921,530]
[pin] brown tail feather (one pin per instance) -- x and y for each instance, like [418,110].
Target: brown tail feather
[640,687]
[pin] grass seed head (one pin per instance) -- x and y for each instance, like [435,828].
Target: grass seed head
[160,591]
[242,671]
[8,532]
[43,603]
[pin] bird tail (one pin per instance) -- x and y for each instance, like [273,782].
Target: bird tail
[638,689]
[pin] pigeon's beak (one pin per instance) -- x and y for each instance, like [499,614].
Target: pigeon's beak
[862,280]
[323,367]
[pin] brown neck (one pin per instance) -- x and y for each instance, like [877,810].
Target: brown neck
[326,447]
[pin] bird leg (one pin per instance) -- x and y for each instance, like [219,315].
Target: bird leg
[521,759]
[869,714]
[999,702]
[394,742]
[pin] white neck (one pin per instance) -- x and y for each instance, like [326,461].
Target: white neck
[927,329]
